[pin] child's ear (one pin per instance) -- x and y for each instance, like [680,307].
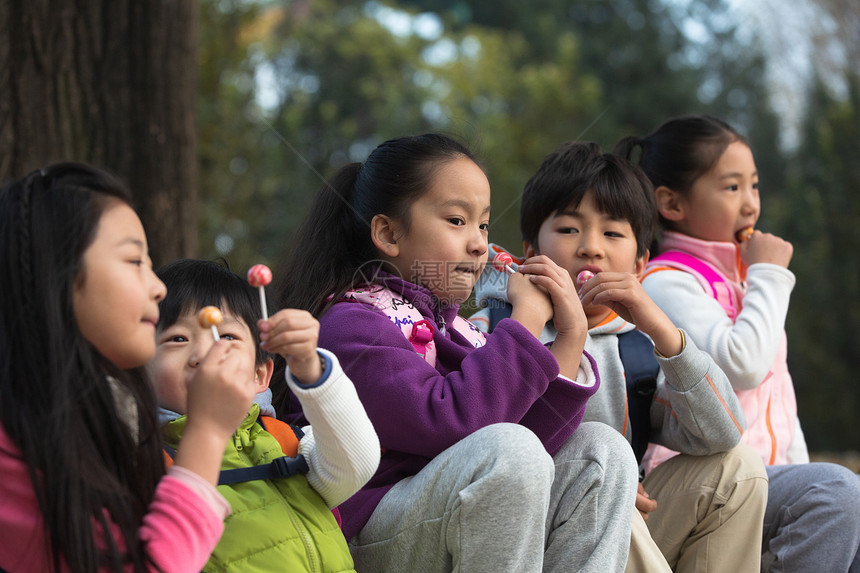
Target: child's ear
[640,264]
[383,233]
[263,375]
[529,250]
[669,203]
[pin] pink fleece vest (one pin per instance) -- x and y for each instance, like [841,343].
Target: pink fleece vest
[770,408]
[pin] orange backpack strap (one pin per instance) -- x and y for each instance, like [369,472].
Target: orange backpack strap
[286,434]
[168,459]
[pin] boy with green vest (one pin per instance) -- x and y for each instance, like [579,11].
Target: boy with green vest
[281,482]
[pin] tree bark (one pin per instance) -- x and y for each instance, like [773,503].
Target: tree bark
[112,83]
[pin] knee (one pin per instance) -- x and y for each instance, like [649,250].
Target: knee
[745,463]
[605,445]
[838,487]
[514,453]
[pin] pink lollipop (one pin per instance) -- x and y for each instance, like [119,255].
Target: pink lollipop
[259,276]
[502,262]
[210,317]
[583,277]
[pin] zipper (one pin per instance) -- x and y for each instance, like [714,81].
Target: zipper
[304,534]
[439,319]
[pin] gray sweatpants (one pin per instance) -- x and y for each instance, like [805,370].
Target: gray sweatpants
[812,520]
[497,502]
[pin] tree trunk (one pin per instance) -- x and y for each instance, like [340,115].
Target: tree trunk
[112,83]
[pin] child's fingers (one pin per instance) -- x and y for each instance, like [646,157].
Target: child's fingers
[295,343]
[287,321]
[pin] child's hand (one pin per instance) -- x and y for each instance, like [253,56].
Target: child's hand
[532,305]
[218,399]
[567,314]
[293,334]
[766,248]
[644,503]
[623,294]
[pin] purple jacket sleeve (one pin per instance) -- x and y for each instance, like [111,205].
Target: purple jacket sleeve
[421,410]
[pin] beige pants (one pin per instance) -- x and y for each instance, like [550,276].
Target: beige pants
[709,515]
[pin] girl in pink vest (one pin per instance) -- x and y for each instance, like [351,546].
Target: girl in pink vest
[728,285]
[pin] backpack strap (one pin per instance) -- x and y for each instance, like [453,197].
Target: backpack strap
[640,372]
[283,467]
[418,330]
[712,281]
[469,331]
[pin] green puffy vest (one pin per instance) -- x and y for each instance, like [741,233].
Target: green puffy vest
[277,524]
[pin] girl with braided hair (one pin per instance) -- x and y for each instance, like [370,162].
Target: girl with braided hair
[83,486]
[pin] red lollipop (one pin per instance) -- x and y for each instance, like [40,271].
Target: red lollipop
[259,276]
[502,262]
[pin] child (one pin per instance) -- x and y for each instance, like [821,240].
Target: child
[481,469]
[82,485]
[293,527]
[706,188]
[589,211]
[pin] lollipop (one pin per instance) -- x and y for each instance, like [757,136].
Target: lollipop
[210,317]
[744,234]
[502,262]
[259,276]
[583,277]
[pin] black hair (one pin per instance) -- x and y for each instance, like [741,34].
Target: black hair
[680,151]
[193,284]
[332,250]
[89,460]
[620,189]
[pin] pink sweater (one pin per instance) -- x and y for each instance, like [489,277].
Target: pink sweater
[184,522]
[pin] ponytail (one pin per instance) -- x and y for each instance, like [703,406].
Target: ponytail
[627,146]
[328,248]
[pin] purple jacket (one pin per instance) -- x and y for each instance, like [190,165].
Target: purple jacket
[418,411]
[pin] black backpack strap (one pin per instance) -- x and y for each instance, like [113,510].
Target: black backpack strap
[640,370]
[282,467]
[499,309]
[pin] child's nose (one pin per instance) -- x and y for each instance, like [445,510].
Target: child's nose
[590,245]
[477,243]
[751,202]
[200,349]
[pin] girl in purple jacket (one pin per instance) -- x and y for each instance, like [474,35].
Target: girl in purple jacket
[481,467]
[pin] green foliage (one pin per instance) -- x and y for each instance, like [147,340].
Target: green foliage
[291,91]
[821,214]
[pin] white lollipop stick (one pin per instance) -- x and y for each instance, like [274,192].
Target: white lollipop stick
[259,276]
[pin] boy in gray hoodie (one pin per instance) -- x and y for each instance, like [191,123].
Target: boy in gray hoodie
[594,215]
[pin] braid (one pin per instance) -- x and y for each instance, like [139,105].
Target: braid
[25,253]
